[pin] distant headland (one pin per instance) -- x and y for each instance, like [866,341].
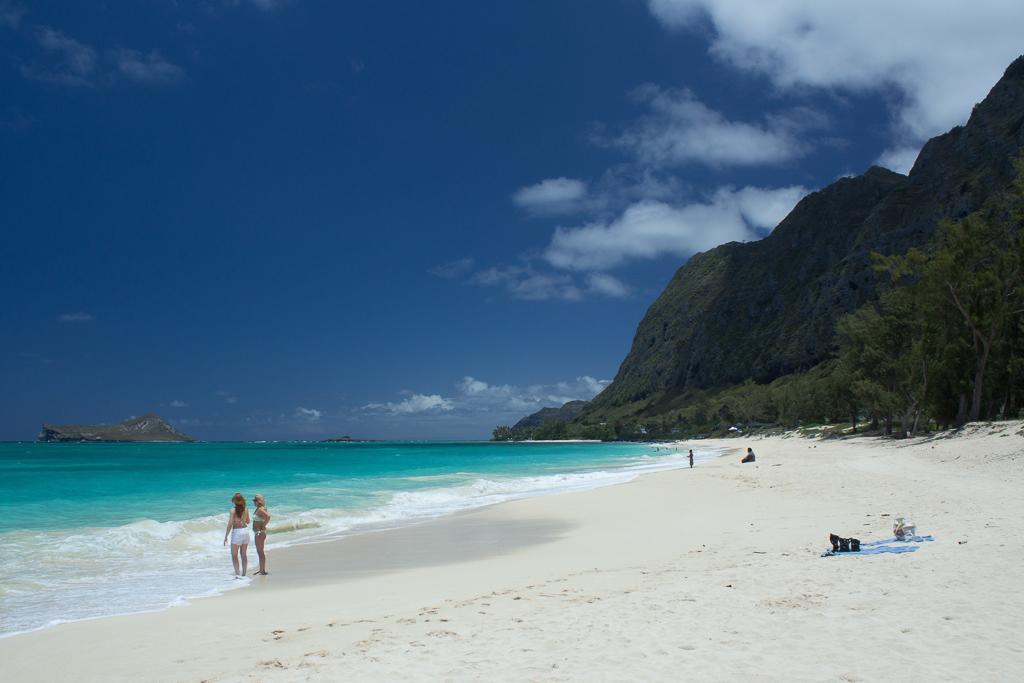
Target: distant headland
[147,428]
[349,439]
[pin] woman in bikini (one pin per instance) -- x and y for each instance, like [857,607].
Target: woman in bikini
[238,529]
[259,527]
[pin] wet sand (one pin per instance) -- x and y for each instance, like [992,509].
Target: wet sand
[710,574]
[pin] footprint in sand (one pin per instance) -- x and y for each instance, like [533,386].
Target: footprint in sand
[273,664]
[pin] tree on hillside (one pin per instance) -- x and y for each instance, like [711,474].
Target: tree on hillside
[552,430]
[502,433]
[945,334]
[979,269]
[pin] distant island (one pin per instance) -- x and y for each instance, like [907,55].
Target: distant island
[147,428]
[349,439]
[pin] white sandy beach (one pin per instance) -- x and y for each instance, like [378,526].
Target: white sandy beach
[706,574]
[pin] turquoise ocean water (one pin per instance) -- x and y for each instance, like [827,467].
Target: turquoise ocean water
[90,530]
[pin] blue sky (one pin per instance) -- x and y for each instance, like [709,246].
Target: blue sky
[302,218]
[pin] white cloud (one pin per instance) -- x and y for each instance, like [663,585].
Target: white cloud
[16,119]
[527,283]
[900,159]
[524,282]
[79,317]
[472,386]
[592,386]
[939,58]
[552,196]
[148,69]
[308,414]
[78,64]
[228,397]
[473,397]
[453,269]
[626,183]
[267,4]
[649,229]
[178,404]
[604,283]
[416,403]
[762,207]
[10,14]
[680,129]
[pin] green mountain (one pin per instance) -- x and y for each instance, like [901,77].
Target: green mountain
[567,413]
[761,310]
[149,427]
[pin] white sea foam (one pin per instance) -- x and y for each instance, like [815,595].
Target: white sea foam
[51,577]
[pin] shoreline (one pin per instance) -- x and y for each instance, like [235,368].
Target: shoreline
[682,568]
[306,560]
[565,482]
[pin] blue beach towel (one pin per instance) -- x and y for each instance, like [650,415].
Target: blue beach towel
[885,546]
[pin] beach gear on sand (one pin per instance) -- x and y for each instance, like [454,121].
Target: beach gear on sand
[844,545]
[885,546]
[903,529]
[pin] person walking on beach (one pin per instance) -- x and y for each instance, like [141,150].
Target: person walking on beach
[691,458]
[238,529]
[259,528]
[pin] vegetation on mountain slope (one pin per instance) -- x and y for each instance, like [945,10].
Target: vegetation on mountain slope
[890,299]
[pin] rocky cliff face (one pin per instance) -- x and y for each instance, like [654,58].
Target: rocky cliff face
[764,309]
[149,427]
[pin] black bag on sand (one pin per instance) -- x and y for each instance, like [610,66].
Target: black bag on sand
[844,545]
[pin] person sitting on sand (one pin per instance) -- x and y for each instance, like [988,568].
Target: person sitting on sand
[238,529]
[749,457]
[259,527]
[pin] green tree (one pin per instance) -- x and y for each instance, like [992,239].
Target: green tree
[978,269]
[552,430]
[502,433]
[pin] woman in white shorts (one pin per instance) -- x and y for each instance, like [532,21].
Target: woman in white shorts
[238,530]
